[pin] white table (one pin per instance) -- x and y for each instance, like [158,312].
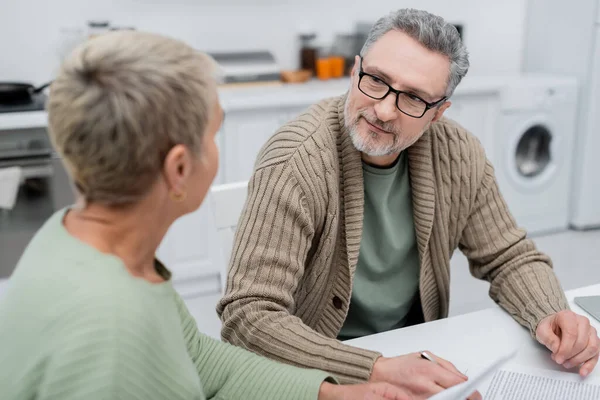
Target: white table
[474,338]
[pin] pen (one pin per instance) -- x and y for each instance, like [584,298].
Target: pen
[425,355]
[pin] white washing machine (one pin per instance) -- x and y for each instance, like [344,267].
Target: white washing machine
[563,37]
[532,150]
[526,125]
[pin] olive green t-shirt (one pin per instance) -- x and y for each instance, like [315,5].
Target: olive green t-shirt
[386,281]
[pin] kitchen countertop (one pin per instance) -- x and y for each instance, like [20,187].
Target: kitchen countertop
[234,98]
[23,119]
[275,96]
[286,94]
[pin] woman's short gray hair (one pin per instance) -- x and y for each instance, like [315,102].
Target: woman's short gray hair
[120,103]
[432,32]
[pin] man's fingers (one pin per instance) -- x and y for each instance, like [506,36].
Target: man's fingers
[588,366]
[546,336]
[589,351]
[568,326]
[583,338]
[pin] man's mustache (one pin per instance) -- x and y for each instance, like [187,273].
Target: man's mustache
[388,128]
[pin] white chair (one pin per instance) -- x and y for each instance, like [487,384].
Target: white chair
[227,202]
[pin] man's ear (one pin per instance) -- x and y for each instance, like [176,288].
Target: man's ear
[440,111]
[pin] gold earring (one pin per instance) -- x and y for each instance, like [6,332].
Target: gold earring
[178,197]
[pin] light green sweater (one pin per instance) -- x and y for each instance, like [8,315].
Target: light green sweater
[75,325]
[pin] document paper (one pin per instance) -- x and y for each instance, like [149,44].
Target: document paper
[463,390]
[520,383]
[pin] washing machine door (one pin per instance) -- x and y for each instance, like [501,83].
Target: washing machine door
[533,156]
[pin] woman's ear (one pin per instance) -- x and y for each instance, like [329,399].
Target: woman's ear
[177,167]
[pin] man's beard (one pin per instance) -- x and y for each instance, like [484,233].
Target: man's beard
[372,145]
[376,145]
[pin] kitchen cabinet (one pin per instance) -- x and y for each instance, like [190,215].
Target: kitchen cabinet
[190,250]
[244,133]
[254,114]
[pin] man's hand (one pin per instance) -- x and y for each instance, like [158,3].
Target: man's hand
[365,391]
[419,378]
[571,339]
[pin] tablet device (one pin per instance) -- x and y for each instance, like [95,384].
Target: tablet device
[591,305]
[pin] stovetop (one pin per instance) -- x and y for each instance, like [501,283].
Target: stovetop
[37,103]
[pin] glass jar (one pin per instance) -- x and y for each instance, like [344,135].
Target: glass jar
[308,52]
[323,64]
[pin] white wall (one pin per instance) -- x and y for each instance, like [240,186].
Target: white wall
[29,29]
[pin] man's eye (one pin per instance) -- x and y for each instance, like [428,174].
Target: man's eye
[414,98]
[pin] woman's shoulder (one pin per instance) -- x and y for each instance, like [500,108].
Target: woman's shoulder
[63,281]
[67,292]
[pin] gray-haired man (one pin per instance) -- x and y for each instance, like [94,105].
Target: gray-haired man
[355,208]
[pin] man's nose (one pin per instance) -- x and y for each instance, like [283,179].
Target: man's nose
[385,109]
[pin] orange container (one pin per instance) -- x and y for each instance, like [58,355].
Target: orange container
[337,66]
[324,68]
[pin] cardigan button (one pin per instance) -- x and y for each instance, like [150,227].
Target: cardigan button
[337,302]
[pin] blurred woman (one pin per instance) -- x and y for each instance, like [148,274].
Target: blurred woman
[90,313]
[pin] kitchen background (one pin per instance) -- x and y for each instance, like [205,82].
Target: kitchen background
[32,32]
[540,132]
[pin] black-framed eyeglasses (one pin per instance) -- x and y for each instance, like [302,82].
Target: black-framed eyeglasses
[408,103]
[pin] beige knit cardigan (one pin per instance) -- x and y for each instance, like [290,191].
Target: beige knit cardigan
[297,242]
